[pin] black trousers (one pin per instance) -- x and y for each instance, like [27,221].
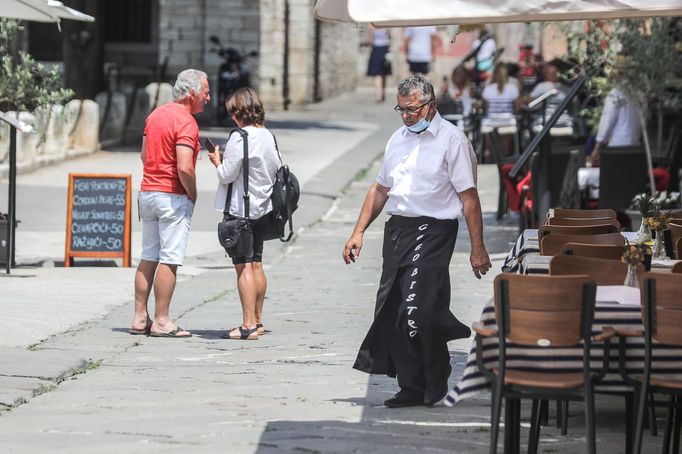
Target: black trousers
[413,322]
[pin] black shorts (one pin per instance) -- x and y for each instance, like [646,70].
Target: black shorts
[419,67]
[261,229]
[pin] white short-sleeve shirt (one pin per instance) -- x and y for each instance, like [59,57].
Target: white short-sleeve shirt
[264,160]
[619,123]
[425,172]
[419,49]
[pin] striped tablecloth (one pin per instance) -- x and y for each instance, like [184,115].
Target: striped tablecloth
[608,312]
[526,243]
[523,256]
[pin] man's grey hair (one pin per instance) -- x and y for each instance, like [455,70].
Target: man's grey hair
[418,84]
[188,83]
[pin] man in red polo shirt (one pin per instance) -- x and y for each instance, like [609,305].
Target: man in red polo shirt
[166,200]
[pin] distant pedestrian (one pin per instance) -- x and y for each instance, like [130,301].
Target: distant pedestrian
[247,111]
[426,182]
[459,88]
[619,125]
[378,67]
[420,47]
[485,51]
[170,147]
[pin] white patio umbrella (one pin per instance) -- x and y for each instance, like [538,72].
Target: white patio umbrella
[399,13]
[402,13]
[40,11]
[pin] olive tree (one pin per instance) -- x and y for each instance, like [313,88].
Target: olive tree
[24,83]
[650,70]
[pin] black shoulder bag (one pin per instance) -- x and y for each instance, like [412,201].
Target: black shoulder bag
[235,233]
[285,194]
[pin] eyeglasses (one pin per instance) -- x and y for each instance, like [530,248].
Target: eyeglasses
[411,110]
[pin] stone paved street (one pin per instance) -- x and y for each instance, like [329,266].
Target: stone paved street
[91,387]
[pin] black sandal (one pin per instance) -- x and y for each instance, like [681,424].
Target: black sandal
[244,334]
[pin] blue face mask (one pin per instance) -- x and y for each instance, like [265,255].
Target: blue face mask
[419,126]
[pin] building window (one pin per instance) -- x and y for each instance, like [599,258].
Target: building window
[44,41]
[127,21]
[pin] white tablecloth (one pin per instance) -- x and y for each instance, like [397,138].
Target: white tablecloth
[588,179]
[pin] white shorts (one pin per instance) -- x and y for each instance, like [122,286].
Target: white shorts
[166,218]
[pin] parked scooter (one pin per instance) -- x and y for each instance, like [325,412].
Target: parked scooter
[233,74]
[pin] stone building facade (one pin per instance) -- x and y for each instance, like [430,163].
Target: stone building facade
[134,42]
[299,59]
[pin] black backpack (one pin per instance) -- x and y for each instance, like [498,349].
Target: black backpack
[285,194]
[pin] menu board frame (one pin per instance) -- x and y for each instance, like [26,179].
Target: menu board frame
[124,251]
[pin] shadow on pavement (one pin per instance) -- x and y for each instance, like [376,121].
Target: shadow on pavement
[382,429]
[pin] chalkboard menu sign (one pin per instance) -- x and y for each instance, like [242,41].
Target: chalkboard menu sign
[98,217]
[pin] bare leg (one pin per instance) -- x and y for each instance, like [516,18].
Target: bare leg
[246,283]
[378,89]
[261,287]
[383,88]
[144,280]
[164,286]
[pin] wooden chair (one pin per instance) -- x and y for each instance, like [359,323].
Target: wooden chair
[677,268]
[597,229]
[662,317]
[554,311]
[552,244]
[598,251]
[582,222]
[564,213]
[603,271]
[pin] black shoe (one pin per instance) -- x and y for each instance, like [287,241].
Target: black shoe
[405,399]
[435,392]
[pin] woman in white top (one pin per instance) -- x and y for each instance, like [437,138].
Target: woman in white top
[246,109]
[501,99]
[501,103]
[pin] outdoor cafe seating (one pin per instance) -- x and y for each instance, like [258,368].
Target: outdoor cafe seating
[517,355]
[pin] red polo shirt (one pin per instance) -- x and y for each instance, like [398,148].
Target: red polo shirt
[166,127]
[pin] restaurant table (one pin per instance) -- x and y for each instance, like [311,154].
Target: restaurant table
[539,264]
[527,244]
[616,306]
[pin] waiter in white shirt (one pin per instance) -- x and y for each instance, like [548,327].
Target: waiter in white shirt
[427,181]
[619,125]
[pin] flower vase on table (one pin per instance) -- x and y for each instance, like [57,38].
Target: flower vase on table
[634,255]
[658,249]
[631,276]
[657,223]
[644,232]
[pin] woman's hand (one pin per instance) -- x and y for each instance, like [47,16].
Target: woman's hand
[215,156]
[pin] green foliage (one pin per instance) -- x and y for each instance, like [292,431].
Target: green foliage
[26,84]
[641,56]
[651,67]
[592,50]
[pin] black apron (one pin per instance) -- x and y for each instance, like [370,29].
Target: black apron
[413,298]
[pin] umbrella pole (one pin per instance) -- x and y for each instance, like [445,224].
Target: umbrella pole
[11,198]
[647,149]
